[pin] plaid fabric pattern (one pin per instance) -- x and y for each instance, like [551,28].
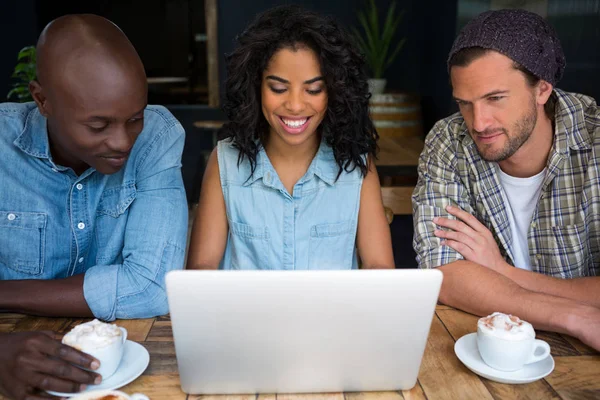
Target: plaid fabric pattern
[564,234]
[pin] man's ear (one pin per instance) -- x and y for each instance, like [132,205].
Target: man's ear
[38,95]
[544,90]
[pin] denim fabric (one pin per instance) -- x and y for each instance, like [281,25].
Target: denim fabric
[123,231]
[315,228]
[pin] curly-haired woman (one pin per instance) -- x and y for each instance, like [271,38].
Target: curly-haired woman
[293,186]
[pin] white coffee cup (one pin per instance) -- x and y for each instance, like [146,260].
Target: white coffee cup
[510,352]
[106,349]
[100,394]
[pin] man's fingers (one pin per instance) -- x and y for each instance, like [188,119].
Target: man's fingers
[462,248]
[54,348]
[455,225]
[469,219]
[456,236]
[47,382]
[64,370]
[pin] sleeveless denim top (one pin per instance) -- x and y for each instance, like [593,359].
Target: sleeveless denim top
[315,228]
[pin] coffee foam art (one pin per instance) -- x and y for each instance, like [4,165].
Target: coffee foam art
[508,327]
[92,335]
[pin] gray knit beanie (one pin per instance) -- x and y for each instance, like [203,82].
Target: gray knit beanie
[520,35]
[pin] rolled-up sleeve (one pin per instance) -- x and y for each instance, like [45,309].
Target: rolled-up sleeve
[438,186]
[155,238]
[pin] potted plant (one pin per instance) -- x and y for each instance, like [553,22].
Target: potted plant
[24,73]
[378,44]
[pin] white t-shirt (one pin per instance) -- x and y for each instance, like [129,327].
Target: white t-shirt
[521,196]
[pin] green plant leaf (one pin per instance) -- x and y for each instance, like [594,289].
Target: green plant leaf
[20,89]
[370,37]
[378,40]
[370,50]
[391,26]
[374,22]
[390,34]
[24,72]
[20,94]
[360,42]
[27,52]
[395,53]
[389,21]
[23,67]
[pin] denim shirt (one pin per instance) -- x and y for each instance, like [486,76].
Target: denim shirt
[315,228]
[123,231]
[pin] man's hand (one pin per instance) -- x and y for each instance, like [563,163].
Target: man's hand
[470,238]
[33,362]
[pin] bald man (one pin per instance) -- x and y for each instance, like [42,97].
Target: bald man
[93,211]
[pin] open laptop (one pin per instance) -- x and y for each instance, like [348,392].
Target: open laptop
[300,331]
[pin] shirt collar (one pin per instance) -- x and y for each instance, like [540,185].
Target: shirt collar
[323,166]
[569,122]
[259,171]
[33,140]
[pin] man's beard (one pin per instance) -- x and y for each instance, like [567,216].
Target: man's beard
[523,129]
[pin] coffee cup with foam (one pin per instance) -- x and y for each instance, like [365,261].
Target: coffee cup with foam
[507,343]
[103,341]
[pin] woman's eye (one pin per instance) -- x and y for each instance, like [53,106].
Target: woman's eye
[277,90]
[314,92]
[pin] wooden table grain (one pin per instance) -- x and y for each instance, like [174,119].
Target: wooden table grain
[442,376]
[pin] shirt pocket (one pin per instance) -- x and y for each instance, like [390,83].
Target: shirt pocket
[249,246]
[115,201]
[111,222]
[23,241]
[331,245]
[570,255]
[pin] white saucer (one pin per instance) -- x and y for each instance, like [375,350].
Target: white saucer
[135,361]
[467,352]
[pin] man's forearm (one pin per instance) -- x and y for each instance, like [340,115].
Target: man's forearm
[52,298]
[584,290]
[481,291]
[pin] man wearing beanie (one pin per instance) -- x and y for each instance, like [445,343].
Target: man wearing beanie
[508,199]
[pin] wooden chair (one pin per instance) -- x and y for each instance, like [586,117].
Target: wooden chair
[397,200]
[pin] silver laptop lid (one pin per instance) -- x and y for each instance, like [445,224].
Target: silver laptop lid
[300,331]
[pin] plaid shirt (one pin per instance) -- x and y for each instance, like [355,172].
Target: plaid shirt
[564,234]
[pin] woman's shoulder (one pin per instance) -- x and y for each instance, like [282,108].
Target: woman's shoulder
[226,150]
[231,168]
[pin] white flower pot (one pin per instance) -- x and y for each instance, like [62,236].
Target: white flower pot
[376,86]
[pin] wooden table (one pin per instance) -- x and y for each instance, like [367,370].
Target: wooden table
[442,376]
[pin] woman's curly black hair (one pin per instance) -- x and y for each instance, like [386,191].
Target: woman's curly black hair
[346,127]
